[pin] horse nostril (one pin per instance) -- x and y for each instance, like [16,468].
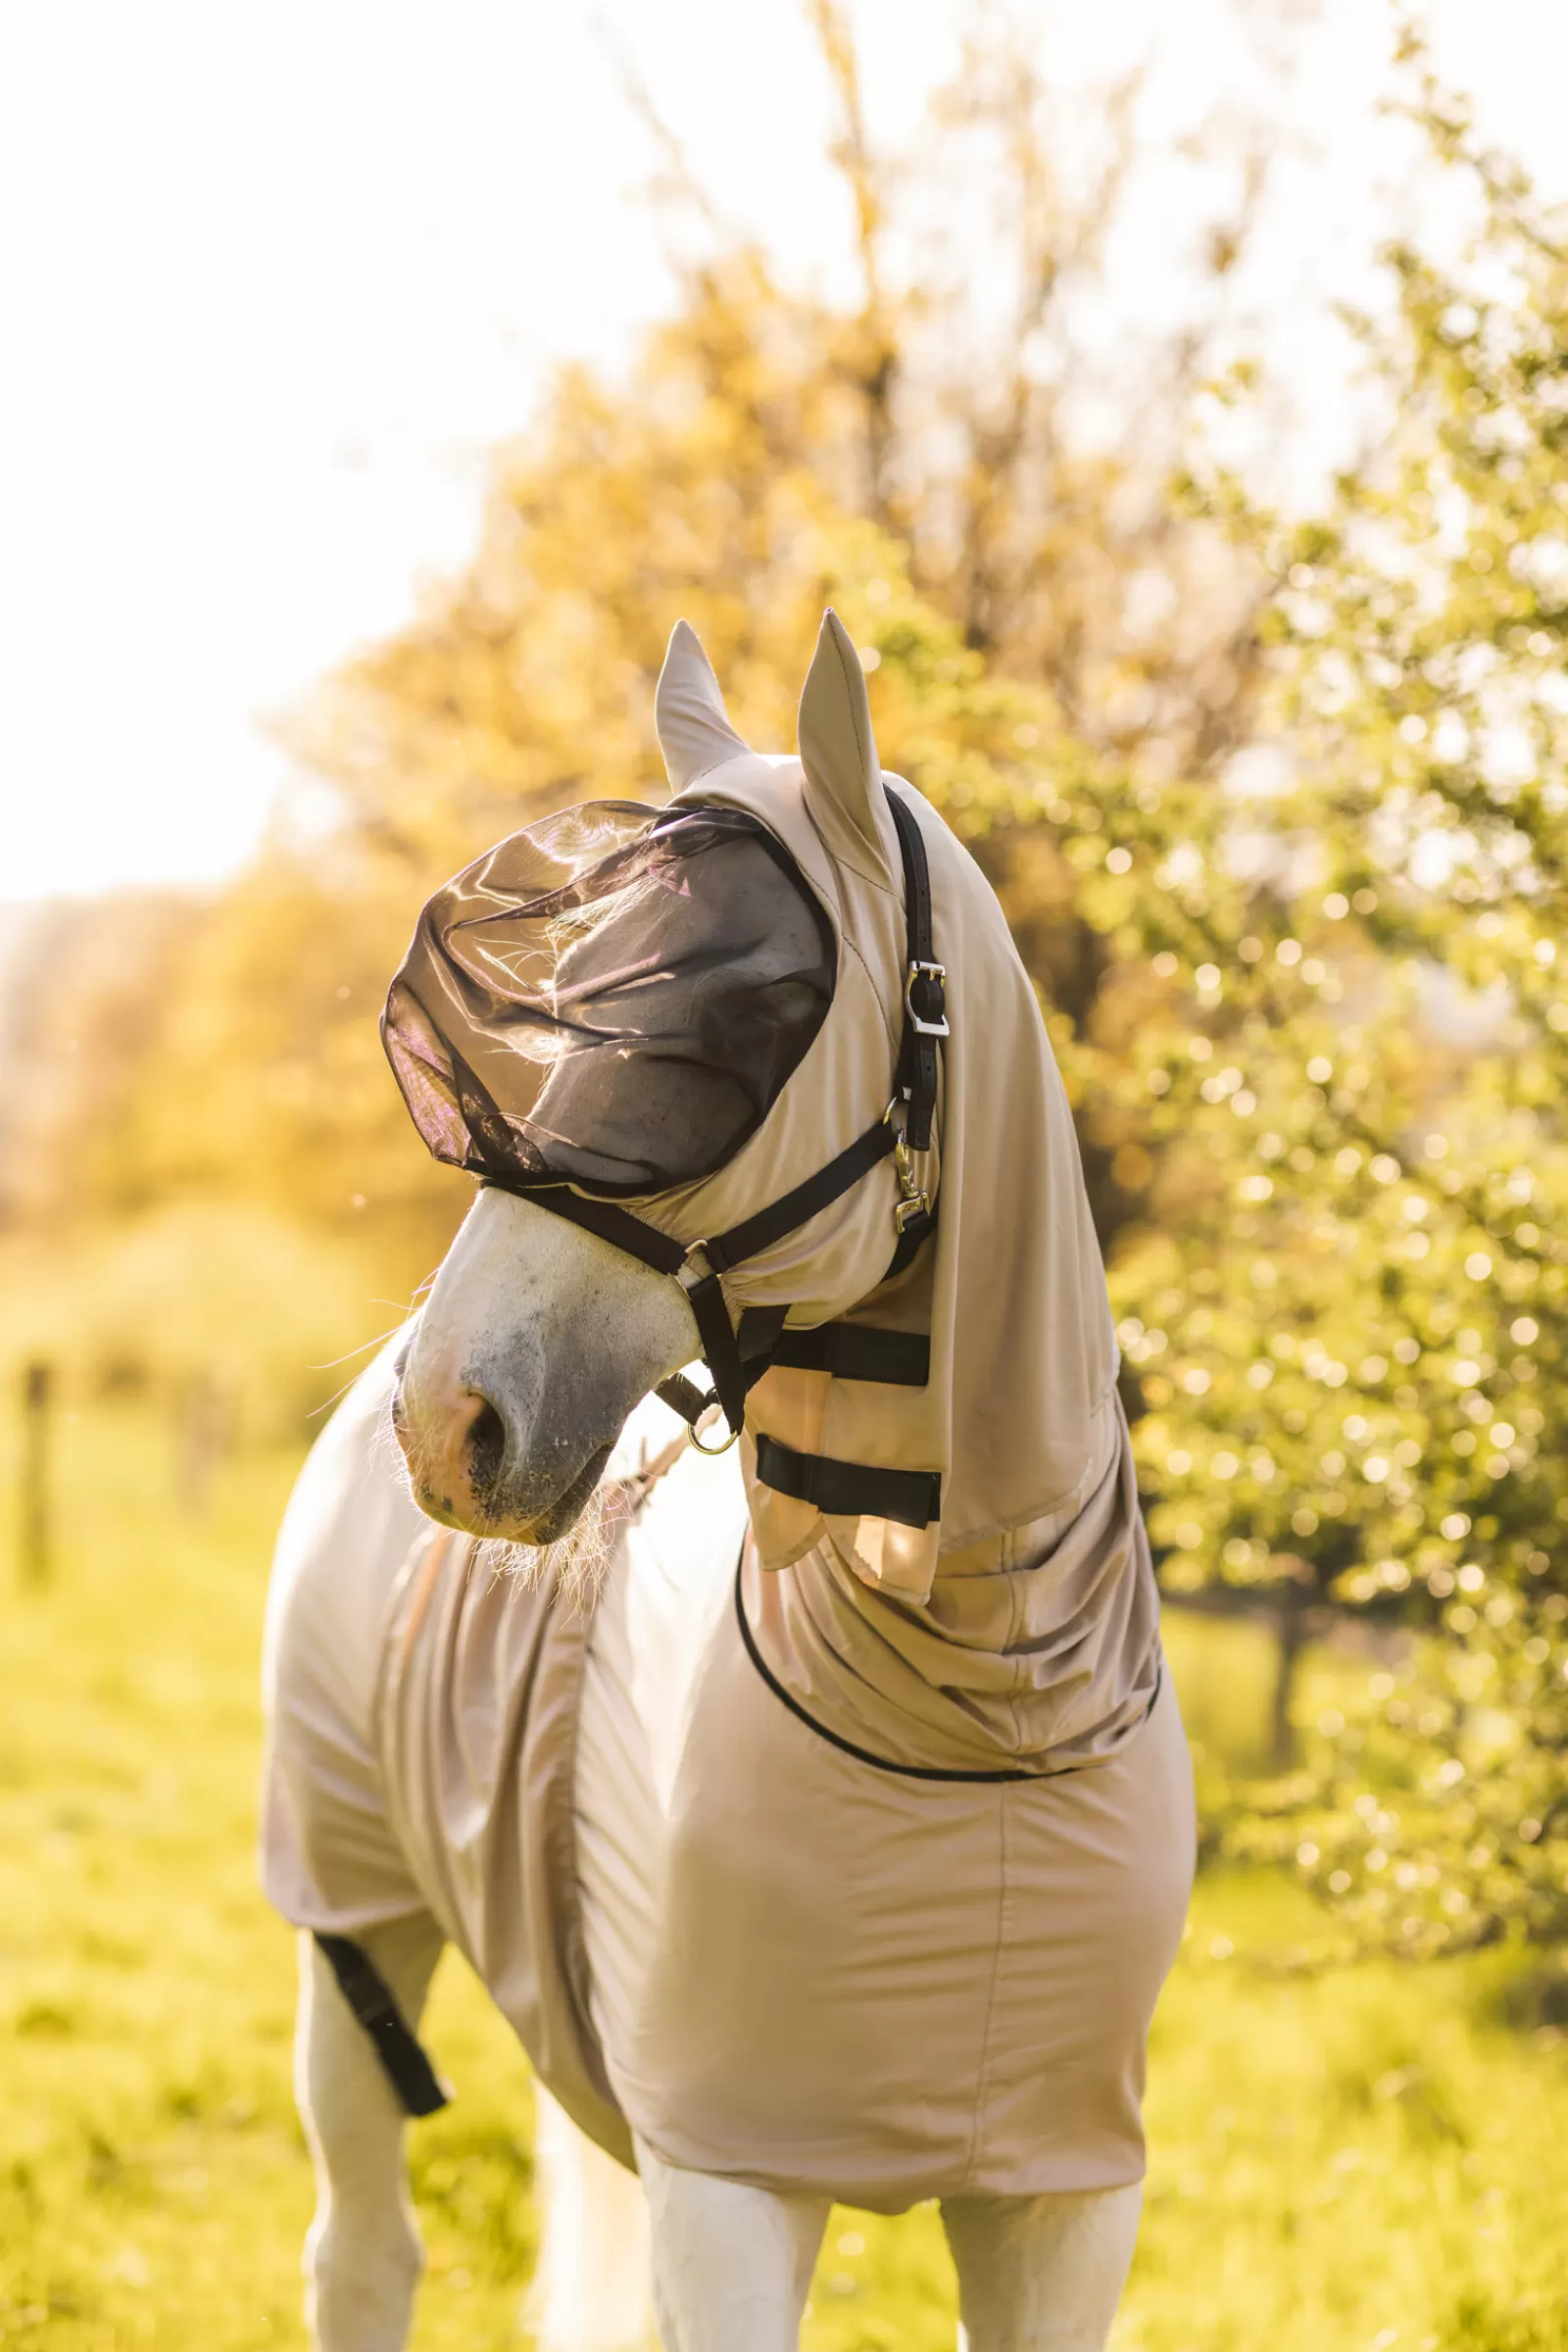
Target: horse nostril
[487,1444]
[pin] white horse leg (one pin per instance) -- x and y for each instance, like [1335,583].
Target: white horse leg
[592,2289]
[362,2256]
[731,2265]
[1042,2273]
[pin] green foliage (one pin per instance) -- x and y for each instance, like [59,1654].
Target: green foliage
[1419,639]
[1434,1815]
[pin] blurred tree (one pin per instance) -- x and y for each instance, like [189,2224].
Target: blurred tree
[1421,638]
[1257,796]
[82,985]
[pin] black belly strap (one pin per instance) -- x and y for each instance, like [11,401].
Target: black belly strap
[368,1994]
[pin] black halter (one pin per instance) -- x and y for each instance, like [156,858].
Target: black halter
[737,1358]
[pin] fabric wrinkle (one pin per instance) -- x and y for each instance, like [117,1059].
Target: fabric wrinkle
[982,2071]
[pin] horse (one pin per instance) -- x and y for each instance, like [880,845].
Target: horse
[818,1811]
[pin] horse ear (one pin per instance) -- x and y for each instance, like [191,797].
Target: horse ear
[694,729]
[837,751]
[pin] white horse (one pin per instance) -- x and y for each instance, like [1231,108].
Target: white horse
[868,1901]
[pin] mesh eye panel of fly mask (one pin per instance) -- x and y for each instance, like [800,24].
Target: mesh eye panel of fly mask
[613,999]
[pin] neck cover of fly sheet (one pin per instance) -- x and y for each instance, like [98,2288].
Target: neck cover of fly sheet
[1012,1417]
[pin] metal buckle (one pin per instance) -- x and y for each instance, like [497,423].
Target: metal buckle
[931,971]
[912,1201]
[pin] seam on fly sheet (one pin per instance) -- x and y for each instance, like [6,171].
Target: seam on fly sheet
[983,2070]
[863,1755]
[1016,1612]
[561,1835]
[888,1023]
[876,881]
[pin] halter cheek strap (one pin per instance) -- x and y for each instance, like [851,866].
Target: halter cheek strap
[737,1359]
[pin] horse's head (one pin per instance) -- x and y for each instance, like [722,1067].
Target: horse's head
[614,1000]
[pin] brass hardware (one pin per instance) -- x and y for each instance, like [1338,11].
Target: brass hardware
[713,1450]
[912,1201]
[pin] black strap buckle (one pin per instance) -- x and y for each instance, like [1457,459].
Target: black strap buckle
[930,1014]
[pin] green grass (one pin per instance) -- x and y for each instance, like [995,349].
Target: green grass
[1367,2160]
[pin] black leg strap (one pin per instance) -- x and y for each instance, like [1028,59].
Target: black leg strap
[370,1998]
[850,1490]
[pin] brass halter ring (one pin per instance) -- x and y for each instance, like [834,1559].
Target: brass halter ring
[713,1450]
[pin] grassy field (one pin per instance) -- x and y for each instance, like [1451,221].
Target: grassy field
[1341,2164]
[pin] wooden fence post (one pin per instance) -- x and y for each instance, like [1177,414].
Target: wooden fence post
[37,1532]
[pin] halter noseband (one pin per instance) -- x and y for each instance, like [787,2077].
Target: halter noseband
[737,1359]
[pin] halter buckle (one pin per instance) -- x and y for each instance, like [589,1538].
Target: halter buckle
[933,975]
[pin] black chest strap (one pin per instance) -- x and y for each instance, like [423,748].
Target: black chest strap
[850,1490]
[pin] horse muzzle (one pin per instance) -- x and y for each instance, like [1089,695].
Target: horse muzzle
[479,1460]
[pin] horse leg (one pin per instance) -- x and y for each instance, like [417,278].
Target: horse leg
[362,2256]
[1042,2273]
[591,2287]
[731,2265]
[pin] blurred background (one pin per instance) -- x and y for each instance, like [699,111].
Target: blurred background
[1175,403]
